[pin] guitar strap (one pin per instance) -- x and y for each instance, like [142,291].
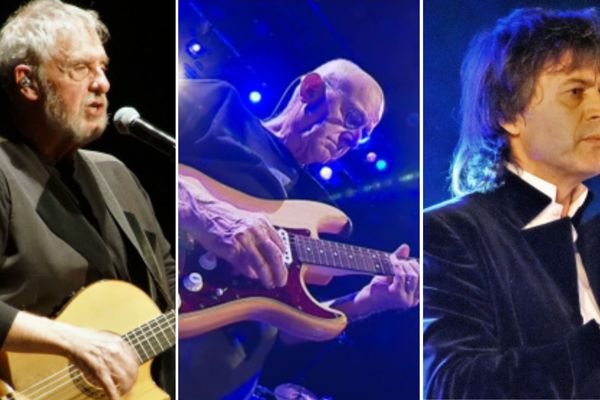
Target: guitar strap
[134,233]
[155,271]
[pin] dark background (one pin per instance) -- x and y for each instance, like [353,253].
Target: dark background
[264,45]
[142,75]
[447,29]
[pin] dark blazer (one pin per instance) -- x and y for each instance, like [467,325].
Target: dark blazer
[219,136]
[49,249]
[501,306]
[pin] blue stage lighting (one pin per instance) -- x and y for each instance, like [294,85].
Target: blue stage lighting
[255,96]
[381,165]
[326,173]
[194,48]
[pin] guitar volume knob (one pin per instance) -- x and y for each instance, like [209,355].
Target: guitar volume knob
[193,282]
[208,261]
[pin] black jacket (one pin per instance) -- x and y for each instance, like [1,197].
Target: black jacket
[49,250]
[501,306]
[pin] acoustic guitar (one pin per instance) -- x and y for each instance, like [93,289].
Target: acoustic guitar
[115,306]
[213,296]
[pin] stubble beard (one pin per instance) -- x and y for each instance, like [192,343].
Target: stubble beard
[72,127]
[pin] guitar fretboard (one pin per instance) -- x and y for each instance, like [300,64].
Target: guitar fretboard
[341,256]
[153,337]
[148,340]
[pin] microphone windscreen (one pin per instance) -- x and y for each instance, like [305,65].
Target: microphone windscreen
[123,119]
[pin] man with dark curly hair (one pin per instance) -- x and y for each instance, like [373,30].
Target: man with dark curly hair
[511,275]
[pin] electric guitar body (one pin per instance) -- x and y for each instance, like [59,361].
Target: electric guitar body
[213,295]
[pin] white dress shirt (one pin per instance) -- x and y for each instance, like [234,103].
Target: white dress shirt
[587,303]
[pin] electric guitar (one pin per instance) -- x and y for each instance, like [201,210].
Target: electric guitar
[213,296]
[108,305]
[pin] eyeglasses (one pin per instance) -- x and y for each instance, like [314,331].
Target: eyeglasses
[357,126]
[355,119]
[80,71]
[352,118]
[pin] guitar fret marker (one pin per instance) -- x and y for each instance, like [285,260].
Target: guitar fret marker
[340,255]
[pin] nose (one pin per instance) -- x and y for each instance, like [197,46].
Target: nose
[100,83]
[350,138]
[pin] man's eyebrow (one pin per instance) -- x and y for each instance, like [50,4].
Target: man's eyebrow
[85,59]
[580,81]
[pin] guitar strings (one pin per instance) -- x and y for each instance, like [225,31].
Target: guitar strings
[73,392]
[58,382]
[359,258]
[64,376]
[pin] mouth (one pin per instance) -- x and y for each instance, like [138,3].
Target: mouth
[96,107]
[592,138]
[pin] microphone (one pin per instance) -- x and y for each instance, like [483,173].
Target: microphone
[127,121]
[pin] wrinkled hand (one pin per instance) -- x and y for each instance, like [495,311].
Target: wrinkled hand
[253,247]
[400,291]
[245,239]
[104,358]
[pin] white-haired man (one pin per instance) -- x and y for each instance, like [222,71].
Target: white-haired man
[331,110]
[58,224]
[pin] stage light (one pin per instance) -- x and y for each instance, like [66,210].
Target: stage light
[326,173]
[255,96]
[194,48]
[381,165]
[409,177]
[371,157]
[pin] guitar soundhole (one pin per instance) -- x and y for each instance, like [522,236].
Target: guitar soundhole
[84,385]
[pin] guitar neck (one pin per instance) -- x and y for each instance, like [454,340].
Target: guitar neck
[340,256]
[153,337]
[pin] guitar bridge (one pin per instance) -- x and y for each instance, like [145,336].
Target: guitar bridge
[287,255]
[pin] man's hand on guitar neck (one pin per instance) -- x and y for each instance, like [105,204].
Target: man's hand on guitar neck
[383,293]
[398,292]
[245,239]
[105,358]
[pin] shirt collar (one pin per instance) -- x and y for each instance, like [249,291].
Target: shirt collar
[553,210]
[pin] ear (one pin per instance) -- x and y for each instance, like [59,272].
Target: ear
[514,127]
[312,88]
[26,84]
